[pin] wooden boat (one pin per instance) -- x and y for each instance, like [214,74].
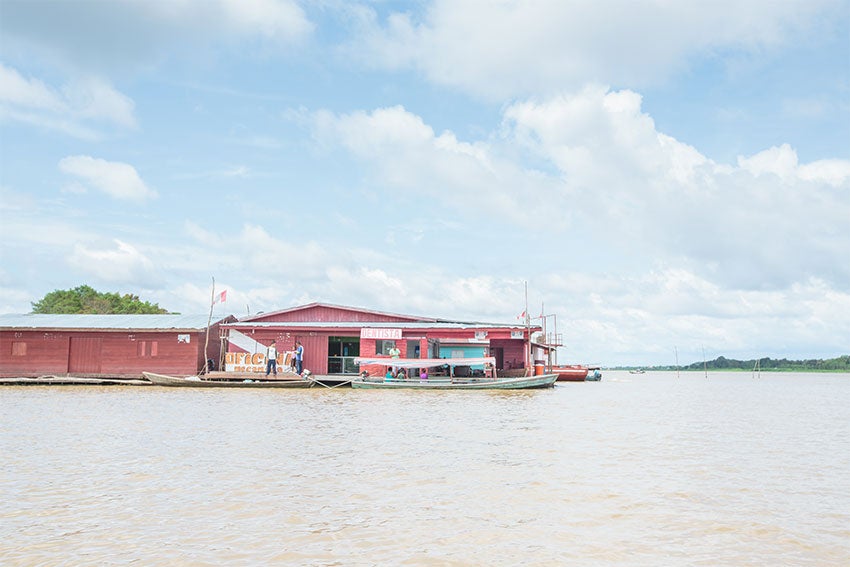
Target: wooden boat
[489,381]
[637,371]
[198,382]
[570,373]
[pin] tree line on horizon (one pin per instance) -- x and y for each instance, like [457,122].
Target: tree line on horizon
[85,299]
[839,364]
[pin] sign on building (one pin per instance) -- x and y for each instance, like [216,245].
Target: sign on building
[368,333]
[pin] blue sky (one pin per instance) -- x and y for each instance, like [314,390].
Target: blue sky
[663,175]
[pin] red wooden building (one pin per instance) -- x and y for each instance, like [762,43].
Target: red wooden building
[333,335]
[105,345]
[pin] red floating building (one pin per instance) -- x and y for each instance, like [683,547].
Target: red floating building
[120,346]
[333,335]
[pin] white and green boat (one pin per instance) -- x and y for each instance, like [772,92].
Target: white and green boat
[451,381]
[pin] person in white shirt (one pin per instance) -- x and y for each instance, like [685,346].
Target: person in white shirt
[271,359]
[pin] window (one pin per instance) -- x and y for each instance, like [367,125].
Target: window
[383,346]
[146,349]
[19,348]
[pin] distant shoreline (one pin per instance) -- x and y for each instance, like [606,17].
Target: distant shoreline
[741,370]
[721,363]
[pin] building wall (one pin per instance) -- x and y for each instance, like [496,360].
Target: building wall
[103,353]
[316,341]
[315,348]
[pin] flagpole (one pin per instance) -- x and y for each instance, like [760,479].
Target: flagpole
[528,363]
[209,320]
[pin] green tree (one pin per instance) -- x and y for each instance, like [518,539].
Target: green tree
[85,299]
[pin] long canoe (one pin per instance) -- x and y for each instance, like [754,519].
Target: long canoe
[521,383]
[197,382]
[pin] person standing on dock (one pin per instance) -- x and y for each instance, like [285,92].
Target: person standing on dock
[299,357]
[271,359]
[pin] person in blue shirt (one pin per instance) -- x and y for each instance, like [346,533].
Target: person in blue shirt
[299,357]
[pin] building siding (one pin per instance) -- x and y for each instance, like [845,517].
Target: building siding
[123,354]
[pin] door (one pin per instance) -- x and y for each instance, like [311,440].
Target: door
[84,355]
[499,354]
[341,354]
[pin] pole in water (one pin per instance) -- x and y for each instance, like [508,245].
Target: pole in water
[676,350]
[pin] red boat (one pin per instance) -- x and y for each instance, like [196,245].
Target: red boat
[571,373]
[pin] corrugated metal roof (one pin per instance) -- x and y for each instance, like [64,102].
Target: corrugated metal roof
[55,321]
[373,325]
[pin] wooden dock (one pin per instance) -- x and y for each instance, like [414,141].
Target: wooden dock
[52,380]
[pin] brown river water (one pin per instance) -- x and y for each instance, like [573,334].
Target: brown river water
[634,470]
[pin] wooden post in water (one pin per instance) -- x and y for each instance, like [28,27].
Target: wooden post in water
[676,350]
[704,366]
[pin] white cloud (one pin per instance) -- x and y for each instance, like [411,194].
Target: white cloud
[75,108]
[269,18]
[95,99]
[251,250]
[117,179]
[782,162]
[124,264]
[641,319]
[765,223]
[747,228]
[407,154]
[504,49]
[33,93]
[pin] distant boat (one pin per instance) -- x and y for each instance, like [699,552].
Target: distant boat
[637,371]
[198,382]
[487,382]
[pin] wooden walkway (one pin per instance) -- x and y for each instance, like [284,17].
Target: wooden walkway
[71,380]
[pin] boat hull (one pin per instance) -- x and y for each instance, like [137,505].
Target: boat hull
[570,373]
[195,382]
[522,383]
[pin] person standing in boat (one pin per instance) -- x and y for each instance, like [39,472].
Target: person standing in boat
[299,357]
[271,359]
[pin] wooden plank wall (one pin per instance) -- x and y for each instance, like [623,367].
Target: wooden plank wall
[121,353]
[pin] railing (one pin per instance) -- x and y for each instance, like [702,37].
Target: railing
[554,339]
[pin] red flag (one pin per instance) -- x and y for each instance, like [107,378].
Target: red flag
[221,297]
[521,315]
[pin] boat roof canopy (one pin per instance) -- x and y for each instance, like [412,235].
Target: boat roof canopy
[425,362]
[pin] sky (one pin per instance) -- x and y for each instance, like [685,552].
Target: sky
[668,180]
